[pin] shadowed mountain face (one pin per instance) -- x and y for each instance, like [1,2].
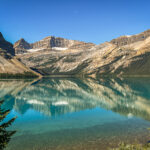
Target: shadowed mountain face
[124,56]
[129,97]
[6,48]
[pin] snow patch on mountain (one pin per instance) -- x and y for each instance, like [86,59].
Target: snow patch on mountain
[59,48]
[35,50]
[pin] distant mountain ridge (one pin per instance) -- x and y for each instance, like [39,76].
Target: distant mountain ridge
[125,40]
[50,42]
[123,56]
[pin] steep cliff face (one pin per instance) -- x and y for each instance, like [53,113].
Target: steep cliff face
[51,41]
[6,48]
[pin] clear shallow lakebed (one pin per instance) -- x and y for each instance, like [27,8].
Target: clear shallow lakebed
[75,114]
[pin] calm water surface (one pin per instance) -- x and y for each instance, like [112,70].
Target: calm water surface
[75,114]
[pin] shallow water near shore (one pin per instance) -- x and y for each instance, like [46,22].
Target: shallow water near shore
[77,114]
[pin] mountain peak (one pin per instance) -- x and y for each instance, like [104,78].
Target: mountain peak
[1,37]
[21,44]
[50,43]
[22,40]
[6,48]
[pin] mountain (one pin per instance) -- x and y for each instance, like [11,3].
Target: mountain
[21,46]
[50,43]
[6,48]
[9,65]
[126,40]
[123,56]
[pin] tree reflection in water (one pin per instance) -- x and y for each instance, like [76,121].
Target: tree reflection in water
[5,135]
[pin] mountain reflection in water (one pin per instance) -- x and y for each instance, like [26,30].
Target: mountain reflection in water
[56,96]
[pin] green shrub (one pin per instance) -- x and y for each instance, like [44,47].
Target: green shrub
[123,146]
[18,75]
[5,135]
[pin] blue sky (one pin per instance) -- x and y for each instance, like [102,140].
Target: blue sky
[94,21]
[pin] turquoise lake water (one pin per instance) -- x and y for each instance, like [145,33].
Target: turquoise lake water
[77,114]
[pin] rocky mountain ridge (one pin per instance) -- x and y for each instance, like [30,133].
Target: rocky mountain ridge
[51,43]
[126,40]
[124,56]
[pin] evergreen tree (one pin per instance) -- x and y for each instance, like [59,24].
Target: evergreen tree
[5,135]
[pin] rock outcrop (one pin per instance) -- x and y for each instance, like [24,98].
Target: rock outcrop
[52,41]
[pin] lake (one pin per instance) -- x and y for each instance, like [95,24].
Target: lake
[77,114]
